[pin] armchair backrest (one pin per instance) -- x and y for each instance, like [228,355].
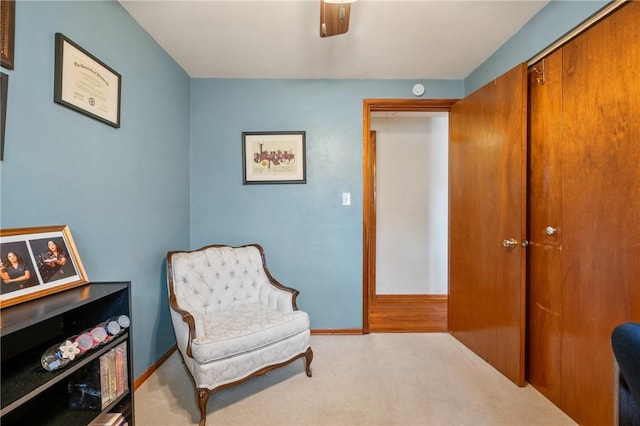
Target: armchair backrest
[215,278]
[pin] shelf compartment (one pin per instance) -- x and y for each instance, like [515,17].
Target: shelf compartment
[30,378]
[29,394]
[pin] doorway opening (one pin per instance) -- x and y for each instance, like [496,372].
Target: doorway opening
[406,311]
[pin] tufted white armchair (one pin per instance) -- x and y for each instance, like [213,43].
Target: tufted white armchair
[232,319]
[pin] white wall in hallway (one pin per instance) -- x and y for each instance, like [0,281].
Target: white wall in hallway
[411,202]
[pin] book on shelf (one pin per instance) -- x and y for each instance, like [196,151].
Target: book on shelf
[104,383]
[111,376]
[122,384]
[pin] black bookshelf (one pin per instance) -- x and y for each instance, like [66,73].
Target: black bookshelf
[32,395]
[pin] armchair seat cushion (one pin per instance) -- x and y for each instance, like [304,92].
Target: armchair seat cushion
[244,329]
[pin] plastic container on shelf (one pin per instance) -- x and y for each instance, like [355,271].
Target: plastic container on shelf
[63,353]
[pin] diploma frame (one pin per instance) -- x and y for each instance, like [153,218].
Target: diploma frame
[30,246]
[84,83]
[4,88]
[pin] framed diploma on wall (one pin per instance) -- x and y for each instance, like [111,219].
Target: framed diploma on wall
[84,83]
[4,87]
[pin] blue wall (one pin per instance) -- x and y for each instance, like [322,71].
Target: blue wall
[123,192]
[171,176]
[555,20]
[312,242]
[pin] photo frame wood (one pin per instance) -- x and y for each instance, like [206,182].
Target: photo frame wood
[84,83]
[274,157]
[8,20]
[38,261]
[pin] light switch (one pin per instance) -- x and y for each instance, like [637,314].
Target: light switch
[346,198]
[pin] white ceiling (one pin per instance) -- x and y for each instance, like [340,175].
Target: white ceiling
[387,39]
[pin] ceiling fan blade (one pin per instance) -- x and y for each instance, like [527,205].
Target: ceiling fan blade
[334,18]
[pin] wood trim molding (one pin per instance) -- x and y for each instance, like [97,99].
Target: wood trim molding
[144,376]
[408,104]
[336,331]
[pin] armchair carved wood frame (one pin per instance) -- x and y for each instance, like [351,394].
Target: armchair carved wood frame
[233,321]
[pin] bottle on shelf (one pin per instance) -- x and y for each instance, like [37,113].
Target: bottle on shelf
[98,335]
[114,326]
[84,341]
[123,321]
[111,329]
[52,358]
[61,354]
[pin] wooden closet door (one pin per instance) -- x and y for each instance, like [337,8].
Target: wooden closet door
[600,208]
[487,205]
[544,254]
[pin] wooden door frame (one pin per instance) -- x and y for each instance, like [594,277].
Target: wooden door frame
[368,204]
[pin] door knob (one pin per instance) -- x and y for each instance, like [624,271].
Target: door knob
[550,230]
[510,243]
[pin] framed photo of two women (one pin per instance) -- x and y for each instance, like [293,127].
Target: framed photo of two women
[35,262]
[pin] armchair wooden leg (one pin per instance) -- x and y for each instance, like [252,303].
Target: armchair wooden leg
[203,397]
[308,357]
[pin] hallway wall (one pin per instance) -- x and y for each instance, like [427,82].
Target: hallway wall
[411,202]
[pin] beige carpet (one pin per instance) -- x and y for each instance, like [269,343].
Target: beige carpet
[375,379]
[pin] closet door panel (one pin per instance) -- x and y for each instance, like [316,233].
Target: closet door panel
[487,205]
[601,207]
[544,254]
